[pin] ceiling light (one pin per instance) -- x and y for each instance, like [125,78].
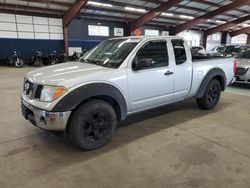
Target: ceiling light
[135,9]
[186,17]
[167,14]
[99,4]
[245,25]
[209,20]
[220,21]
[106,5]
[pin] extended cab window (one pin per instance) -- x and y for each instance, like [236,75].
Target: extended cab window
[179,51]
[152,54]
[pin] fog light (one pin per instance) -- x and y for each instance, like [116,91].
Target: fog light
[43,121]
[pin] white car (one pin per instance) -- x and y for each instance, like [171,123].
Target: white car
[119,77]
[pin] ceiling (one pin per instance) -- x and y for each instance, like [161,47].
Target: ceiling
[127,10]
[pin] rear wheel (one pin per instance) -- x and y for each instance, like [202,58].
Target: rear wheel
[211,95]
[92,125]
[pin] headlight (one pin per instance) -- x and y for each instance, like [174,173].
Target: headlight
[50,93]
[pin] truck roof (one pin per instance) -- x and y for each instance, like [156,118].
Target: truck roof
[148,37]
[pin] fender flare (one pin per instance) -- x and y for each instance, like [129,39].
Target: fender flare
[82,93]
[209,76]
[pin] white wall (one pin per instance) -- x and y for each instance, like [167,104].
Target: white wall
[30,27]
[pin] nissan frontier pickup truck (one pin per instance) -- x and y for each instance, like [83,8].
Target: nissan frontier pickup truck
[119,77]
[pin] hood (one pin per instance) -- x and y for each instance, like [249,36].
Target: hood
[244,63]
[65,73]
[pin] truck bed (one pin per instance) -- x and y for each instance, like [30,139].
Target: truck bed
[206,57]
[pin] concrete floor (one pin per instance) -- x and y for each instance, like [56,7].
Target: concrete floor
[176,146]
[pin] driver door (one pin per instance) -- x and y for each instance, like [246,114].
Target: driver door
[151,84]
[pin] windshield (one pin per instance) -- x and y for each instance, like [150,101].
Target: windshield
[110,53]
[244,55]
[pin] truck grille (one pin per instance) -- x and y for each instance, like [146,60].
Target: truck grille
[31,90]
[241,71]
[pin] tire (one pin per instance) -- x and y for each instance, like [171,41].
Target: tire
[211,95]
[92,125]
[19,63]
[38,63]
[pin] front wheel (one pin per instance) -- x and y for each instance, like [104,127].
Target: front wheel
[92,125]
[19,63]
[211,95]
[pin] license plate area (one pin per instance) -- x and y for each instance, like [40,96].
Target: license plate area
[28,114]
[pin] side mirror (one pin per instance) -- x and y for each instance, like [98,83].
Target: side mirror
[142,64]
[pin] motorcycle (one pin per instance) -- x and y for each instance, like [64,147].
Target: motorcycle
[52,58]
[16,60]
[37,58]
[63,57]
[77,55]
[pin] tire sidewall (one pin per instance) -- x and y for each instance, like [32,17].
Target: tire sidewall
[211,84]
[78,120]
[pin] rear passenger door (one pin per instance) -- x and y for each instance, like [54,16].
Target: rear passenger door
[182,70]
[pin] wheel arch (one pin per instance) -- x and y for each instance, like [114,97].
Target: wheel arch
[85,93]
[215,73]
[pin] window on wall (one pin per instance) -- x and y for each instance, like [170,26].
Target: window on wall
[97,30]
[30,27]
[240,39]
[151,32]
[214,37]
[192,38]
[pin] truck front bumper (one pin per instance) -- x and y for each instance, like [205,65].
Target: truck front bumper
[56,121]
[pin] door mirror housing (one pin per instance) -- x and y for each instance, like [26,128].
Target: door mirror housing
[142,64]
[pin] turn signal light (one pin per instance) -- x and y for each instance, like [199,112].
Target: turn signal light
[58,92]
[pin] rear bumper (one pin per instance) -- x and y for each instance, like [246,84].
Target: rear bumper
[56,121]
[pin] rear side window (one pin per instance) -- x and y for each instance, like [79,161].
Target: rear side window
[179,51]
[156,51]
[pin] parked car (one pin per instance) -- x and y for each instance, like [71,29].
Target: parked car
[120,77]
[242,74]
[232,50]
[216,50]
[198,50]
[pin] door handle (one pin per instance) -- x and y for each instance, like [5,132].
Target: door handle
[168,73]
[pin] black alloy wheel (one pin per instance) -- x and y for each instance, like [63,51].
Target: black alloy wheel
[211,95]
[92,124]
[96,125]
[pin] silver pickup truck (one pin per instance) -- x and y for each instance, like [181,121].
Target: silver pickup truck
[119,77]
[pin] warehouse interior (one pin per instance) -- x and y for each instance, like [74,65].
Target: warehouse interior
[176,145]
